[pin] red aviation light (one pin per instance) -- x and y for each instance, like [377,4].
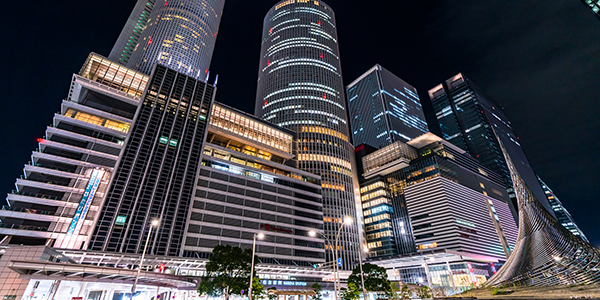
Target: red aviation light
[39,140]
[165,3]
[268,63]
[215,34]
[149,41]
[271,31]
[324,96]
[265,102]
[319,23]
[321,55]
[206,71]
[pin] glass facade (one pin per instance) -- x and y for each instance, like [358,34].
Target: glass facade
[562,215]
[130,35]
[384,109]
[113,75]
[180,34]
[300,88]
[474,122]
[594,6]
[155,177]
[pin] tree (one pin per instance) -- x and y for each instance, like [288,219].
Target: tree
[258,290]
[317,289]
[424,292]
[405,293]
[351,293]
[271,294]
[376,279]
[227,272]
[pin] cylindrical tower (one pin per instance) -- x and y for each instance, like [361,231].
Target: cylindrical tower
[180,34]
[300,87]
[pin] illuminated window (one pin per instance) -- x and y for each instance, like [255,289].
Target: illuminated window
[88,118]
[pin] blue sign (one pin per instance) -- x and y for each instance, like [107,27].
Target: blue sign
[340,263]
[86,200]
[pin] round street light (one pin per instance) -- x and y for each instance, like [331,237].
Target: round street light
[348,220]
[312,233]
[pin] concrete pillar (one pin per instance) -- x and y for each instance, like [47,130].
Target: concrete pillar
[82,290]
[451,278]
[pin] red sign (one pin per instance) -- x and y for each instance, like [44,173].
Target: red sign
[268,227]
[77,298]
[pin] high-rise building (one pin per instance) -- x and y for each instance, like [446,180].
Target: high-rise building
[300,88]
[384,109]
[130,35]
[248,183]
[474,122]
[156,175]
[562,214]
[594,6]
[58,197]
[414,197]
[180,34]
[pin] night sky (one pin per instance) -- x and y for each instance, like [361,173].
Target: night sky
[539,59]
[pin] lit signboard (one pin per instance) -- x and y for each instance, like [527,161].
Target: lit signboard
[120,220]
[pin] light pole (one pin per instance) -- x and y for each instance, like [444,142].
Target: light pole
[347,221]
[313,234]
[137,276]
[362,277]
[260,236]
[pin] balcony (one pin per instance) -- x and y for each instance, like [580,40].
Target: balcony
[23,227]
[27,210]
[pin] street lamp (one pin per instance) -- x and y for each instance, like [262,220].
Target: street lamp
[313,234]
[362,277]
[260,236]
[137,276]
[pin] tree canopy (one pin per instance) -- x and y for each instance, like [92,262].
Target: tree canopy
[376,279]
[227,272]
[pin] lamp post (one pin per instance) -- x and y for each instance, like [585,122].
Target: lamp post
[362,277]
[260,236]
[313,234]
[137,276]
[347,221]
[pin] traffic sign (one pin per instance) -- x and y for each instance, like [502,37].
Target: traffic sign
[340,262]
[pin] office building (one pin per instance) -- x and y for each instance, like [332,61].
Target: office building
[434,215]
[130,35]
[57,199]
[562,214]
[384,109]
[415,198]
[156,175]
[474,122]
[180,34]
[248,183]
[594,6]
[300,88]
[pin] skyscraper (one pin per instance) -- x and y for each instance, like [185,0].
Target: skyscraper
[156,175]
[181,34]
[474,122]
[300,87]
[594,6]
[58,197]
[384,109]
[130,35]
[562,214]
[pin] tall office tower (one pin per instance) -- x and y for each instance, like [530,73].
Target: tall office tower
[57,199]
[474,122]
[594,6]
[155,178]
[248,183]
[414,198]
[130,35]
[384,109]
[562,215]
[300,88]
[180,34]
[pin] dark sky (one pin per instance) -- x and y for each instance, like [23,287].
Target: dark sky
[540,59]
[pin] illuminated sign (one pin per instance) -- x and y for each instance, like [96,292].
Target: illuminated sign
[427,246]
[86,201]
[268,227]
[461,222]
[173,143]
[163,140]
[284,283]
[120,220]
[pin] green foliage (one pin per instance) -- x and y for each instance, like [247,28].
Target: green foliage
[405,293]
[271,296]
[376,279]
[227,272]
[424,292]
[317,289]
[351,293]
[258,290]
[495,292]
